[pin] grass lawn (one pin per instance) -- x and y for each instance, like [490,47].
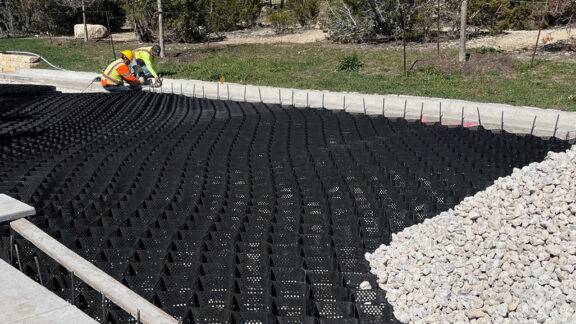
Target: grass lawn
[488,76]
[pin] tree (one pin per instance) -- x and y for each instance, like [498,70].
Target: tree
[80,4]
[463,26]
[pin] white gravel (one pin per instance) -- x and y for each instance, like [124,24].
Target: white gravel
[505,255]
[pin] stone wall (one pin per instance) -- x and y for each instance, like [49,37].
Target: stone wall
[11,62]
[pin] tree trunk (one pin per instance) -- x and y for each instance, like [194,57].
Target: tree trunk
[463,18]
[160,29]
[404,41]
[438,28]
[84,22]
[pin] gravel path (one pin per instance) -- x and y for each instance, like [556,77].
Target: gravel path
[515,40]
[505,255]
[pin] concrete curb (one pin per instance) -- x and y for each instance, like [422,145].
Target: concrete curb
[513,119]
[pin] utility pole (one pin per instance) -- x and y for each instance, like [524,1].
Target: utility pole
[84,22]
[463,18]
[160,29]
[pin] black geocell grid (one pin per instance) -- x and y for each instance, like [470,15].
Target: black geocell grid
[227,212]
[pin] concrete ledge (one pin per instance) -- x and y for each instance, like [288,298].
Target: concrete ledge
[11,209]
[22,300]
[514,119]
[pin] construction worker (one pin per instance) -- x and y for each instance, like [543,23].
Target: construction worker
[117,72]
[145,64]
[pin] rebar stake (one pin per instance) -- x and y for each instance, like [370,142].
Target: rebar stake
[479,120]
[344,103]
[533,125]
[228,91]
[18,257]
[422,111]
[38,269]
[260,93]
[383,106]
[244,93]
[502,121]
[279,97]
[203,93]
[556,126]
[292,97]
[172,87]
[194,90]
[307,99]
[72,289]
[138,316]
[323,100]
[218,90]
[405,104]
[181,92]
[103,308]
[11,249]
[462,121]
[440,112]
[364,105]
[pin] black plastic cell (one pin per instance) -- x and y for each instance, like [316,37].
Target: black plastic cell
[226,212]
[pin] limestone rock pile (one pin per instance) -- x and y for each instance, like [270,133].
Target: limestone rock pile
[505,255]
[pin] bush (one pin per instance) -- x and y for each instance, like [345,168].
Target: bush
[281,20]
[349,63]
[305,11]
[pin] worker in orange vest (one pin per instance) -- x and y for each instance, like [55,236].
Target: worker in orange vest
[117,72]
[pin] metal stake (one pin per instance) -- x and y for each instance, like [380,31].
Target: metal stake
[172,87]
[72,289]
[138,317]
[422,111]
[194,90]
[533,125]
[479,120]
[556,126]
[323,100]
[38,269]
[344,103]
[307,100]
[18,257]
[292,97]
[11,249]
[244,93]
[383,105]
[364,105]
[260,94]
[462,122]
[103,308]
[181,92]
[502,121]
[228,91]
[440,113]
[218,90]
[203,93]
[279,97]
[405,103]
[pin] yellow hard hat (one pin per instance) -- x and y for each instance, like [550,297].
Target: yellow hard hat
[128,54]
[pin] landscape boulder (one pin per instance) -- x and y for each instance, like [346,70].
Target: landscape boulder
[94,31]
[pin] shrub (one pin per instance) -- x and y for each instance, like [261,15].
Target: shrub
[350,63]
[305,11]
[282,19]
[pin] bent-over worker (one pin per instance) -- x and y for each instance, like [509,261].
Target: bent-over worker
[145,63]
[117,72]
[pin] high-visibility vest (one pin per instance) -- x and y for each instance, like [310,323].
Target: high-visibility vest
[115,73]
[144,54]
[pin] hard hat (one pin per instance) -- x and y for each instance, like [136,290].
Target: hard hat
[156,50]
[128,54]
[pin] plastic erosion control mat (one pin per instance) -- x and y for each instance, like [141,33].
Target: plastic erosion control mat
[228,212]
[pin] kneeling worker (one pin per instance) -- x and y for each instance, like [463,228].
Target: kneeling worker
[117,72]
[145,63]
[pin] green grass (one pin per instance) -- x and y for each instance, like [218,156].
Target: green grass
[547,85]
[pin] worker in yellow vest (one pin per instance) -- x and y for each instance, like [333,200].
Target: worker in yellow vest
[117,72]
[145,63]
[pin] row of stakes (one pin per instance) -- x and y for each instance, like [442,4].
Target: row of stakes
[14,250]
[363,105]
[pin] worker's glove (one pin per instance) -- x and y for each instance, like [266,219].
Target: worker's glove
[135,87]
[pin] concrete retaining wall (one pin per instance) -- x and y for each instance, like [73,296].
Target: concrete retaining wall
[11,62]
